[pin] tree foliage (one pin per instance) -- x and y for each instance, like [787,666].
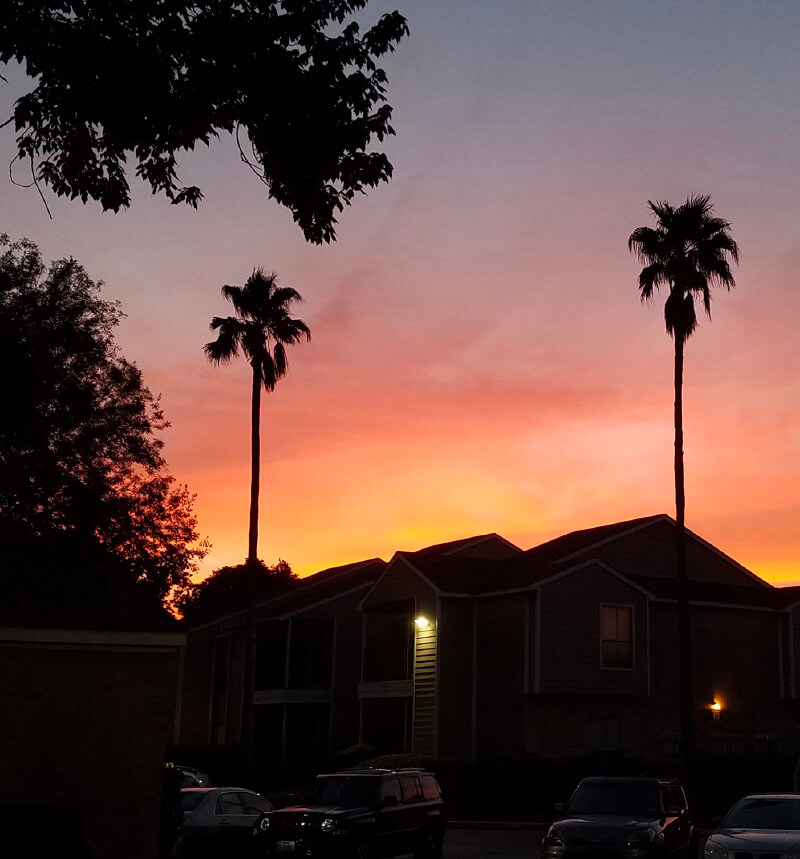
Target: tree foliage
[80,452]
[295,81]
[687,252]
[232,586]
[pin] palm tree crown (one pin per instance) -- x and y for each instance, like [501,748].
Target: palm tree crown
[261,328]
[687,252]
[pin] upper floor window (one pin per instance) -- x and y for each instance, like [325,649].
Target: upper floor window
[388,642]
[616,636]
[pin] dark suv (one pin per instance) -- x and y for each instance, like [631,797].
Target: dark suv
[358,813]
[621,817]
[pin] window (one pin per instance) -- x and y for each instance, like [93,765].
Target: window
[616,636]
[254,803]
[271,654]
[389,642]
[228,803]
[411,789]
[391,787]
[219,689]
[310,653]
[430,787]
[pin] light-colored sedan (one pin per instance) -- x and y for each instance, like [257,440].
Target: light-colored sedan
[759,826]
[217,820]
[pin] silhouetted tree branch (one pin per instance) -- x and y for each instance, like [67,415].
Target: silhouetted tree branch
[148,80]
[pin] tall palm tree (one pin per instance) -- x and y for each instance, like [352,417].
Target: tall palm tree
[260,330]
[688,251]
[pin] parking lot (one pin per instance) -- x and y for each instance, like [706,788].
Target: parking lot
[505,843]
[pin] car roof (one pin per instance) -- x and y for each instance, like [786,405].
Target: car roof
[209,789]
[376,772]
[793,796]
[640,779]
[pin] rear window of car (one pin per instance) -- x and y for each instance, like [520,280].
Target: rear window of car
[430,787]
[254,803]
[411,789]
[190,801]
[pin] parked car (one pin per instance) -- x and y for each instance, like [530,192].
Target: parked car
[759,823]
[217,820]
[629,817]
[357,813]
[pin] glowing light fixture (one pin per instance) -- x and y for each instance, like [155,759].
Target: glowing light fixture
[716,709]
[421,621]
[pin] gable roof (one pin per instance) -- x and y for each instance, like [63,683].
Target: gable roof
[467,546]
[312,590]
[455,553]
[640,550]
[325,586]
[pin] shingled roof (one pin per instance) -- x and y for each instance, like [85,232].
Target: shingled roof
[641,550]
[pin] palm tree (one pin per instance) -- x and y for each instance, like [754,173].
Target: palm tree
[260,330]
[687,252]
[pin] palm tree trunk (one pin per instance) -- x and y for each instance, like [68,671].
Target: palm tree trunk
[255,465]
[249,667]
[685,696]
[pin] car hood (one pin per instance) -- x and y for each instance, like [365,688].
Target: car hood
[771,840]
[602,827]
[317,811]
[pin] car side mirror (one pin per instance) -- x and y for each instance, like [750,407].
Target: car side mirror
[559,808]
[388,801]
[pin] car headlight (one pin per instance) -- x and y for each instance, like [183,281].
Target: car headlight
[553,838]
[712,850]
[640,838]
[263,824]
[328,824]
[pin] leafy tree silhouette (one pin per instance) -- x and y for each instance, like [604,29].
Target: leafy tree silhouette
[81,461]
[294,82]
[687,252]
[229,588]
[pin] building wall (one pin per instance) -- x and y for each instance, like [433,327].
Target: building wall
[651,552]
[85,722]
[567,638]
[455,676]
[500,675]
[734,660]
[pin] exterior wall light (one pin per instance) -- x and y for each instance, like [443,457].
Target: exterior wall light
[716,710]
[421,621]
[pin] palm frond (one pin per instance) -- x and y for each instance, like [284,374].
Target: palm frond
[689,250]
[226,346]
[650,278]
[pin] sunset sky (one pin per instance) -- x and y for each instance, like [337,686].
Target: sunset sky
[480,359]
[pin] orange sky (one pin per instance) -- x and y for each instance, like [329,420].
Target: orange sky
[480,360]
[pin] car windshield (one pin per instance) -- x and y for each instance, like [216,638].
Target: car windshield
[763,813]
[628,798]
[343,791]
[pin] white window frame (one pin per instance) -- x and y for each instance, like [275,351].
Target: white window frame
[632,608]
